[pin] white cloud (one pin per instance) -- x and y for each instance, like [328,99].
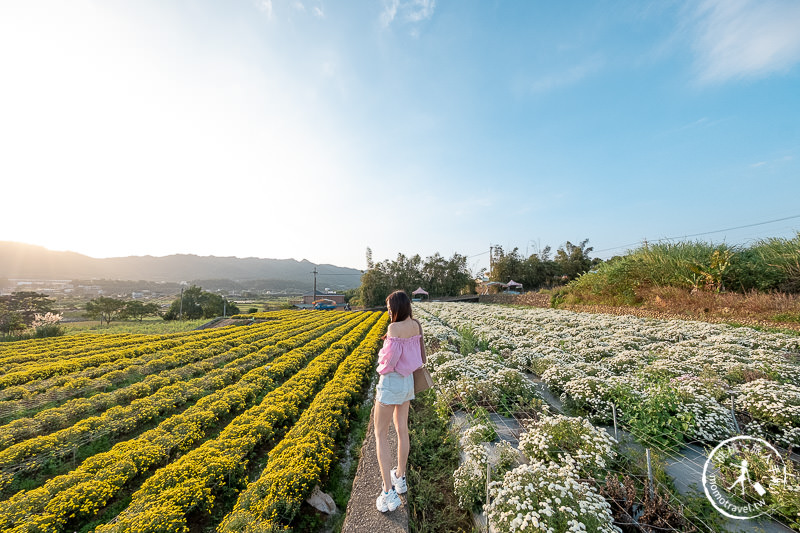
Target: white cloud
[565,78]
[407,11]
[317,12]
[299,6]
[389,12]
[745,38]
[772,163]
[420,10]
[266,7]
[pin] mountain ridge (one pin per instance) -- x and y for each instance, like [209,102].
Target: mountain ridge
[27,261]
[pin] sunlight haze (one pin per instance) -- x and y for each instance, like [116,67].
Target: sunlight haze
[313,129]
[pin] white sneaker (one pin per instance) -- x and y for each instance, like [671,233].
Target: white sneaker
[399,482]
[388,501]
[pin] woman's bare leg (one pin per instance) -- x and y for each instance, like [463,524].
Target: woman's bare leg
[383,417]
[401,427]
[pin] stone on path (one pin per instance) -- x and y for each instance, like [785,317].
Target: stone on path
[321,501]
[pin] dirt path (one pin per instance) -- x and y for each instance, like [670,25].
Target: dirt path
[362,516]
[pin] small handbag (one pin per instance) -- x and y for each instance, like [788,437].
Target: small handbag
[422,378]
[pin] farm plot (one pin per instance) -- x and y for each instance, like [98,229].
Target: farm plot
[667,384]
[160,433]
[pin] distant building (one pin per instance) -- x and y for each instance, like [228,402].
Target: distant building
[309,298]
[90,289]
[44,286]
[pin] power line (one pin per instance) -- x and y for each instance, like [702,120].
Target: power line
[703,233]
[476,255]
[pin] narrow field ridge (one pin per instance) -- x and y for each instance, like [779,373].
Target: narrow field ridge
[361,512]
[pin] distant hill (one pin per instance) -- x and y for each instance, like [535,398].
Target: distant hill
[25,261]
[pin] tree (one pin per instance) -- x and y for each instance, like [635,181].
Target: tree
[506,267]
[574,260]
[376,285]
[27,305]
[370,262]
[352,296]
[198,303]
[10,321]
[440,277]
[104,308]
[138,310]
[538,270]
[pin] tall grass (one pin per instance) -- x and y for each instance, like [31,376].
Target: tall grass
[783,257]
[766,266]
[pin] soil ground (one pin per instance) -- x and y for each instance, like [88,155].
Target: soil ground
[666,315]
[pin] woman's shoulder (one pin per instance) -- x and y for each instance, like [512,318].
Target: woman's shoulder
[402,330]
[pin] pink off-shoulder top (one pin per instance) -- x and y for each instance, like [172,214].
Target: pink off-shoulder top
[401,355]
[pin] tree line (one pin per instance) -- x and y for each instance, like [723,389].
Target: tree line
[193,303]
[540,270]
[452,277]
[437,275]
[31,311]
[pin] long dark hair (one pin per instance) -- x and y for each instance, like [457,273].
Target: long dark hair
[399,306]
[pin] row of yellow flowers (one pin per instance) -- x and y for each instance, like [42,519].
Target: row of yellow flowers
[124,354]
[192,483]
[29,396]
[56,349]
[117,358]
[78,495]
[99,350]
[304,455]
[82,344]
[13,354]
[30,454]
[73,410]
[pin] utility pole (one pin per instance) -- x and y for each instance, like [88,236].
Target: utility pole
[180,315]
[314,294]
[490,261]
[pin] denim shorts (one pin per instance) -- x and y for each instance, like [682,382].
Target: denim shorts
[394,388]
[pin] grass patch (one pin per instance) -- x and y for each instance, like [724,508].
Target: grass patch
[340,480]
[470,341]
[432,503]
[155,326]
[787,317]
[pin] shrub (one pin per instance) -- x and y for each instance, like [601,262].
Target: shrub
[568,440]
[547,497]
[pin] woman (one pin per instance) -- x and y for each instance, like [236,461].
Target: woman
[400,356]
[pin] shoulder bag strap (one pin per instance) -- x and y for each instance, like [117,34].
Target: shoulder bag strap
[421,343]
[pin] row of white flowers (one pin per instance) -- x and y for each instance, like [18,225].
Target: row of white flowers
[535,487]
[478,379]
[538,487]
[593,359]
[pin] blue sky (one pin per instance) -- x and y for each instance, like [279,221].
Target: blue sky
[313,129]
